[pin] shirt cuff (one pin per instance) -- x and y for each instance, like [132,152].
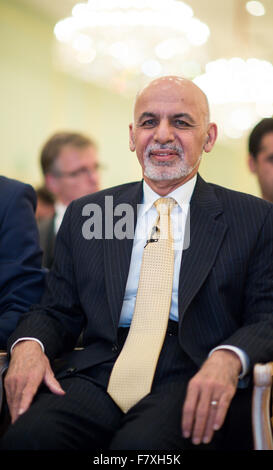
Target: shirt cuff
[242,356]
[27,339]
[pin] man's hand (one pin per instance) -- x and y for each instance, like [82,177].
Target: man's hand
[216,381]
[29,367]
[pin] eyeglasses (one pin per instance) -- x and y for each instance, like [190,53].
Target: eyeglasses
[81,172]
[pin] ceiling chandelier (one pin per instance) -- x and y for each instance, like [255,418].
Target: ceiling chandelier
[240,93]
[121,44]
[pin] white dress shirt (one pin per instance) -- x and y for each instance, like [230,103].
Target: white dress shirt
[146,219]
[59,215]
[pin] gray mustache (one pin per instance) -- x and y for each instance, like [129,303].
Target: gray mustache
[176,148]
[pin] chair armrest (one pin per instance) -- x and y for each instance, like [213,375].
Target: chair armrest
[261,422]
[3,368]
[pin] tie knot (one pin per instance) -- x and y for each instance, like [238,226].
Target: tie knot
[164,205]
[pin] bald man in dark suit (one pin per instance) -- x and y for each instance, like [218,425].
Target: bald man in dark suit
[221,312]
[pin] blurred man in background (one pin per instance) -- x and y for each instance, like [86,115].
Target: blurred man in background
[69,162]
[260,146]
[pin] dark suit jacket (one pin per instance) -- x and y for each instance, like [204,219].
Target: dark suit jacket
[21,276]
[47,240]
[225,288]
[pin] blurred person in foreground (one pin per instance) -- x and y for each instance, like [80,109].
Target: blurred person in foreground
[260,147]
[70,166]
[174,320]
[21,276]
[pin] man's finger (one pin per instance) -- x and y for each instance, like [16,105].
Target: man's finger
[201,417]
[24,399]
[52,383]
[14,389]
[209,431]
[189,409]
[222,409]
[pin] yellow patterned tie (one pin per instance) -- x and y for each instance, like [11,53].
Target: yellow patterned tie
[133,372]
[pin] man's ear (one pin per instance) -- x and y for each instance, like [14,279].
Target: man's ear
[211,137]
[132,138]
[252,164]
[51,183]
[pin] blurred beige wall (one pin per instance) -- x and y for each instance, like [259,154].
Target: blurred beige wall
[37,100]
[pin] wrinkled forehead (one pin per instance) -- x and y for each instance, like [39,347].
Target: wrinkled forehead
[171,93]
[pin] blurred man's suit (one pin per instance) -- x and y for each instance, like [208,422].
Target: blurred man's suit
[47,240]
[21,276]
[225,288]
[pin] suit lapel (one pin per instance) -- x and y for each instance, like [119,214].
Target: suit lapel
[117,255]
[51,241]
[207,231]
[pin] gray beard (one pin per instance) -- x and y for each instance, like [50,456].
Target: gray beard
[167,171]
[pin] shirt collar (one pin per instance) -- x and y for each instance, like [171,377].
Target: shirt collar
[182,194]
[60,208]
[59,213]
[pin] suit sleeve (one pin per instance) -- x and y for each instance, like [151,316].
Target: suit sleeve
[21,276]
[58,320]
[255,337]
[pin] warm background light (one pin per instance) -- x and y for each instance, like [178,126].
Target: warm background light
[131,41]
[40,94]
[240,93]
[255,8]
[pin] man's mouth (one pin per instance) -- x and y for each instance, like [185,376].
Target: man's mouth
[163,155]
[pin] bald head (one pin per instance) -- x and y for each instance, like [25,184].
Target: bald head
[171,129]
[177,89]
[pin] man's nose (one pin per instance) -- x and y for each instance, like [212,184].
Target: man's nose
[164,133]
[91,175]
[94,176]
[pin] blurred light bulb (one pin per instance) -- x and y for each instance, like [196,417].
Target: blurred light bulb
[129,38]
[265,109]
[197,32]
[232,132]
[82,43]
[239,92]
[64,29]
[255,8]
[151,68]
[86,57]
[170,47]
[241,119]
[119,50]
[165,50]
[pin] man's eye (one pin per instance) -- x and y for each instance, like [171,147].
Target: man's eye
[148,122]
[181,123]
[269,158]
